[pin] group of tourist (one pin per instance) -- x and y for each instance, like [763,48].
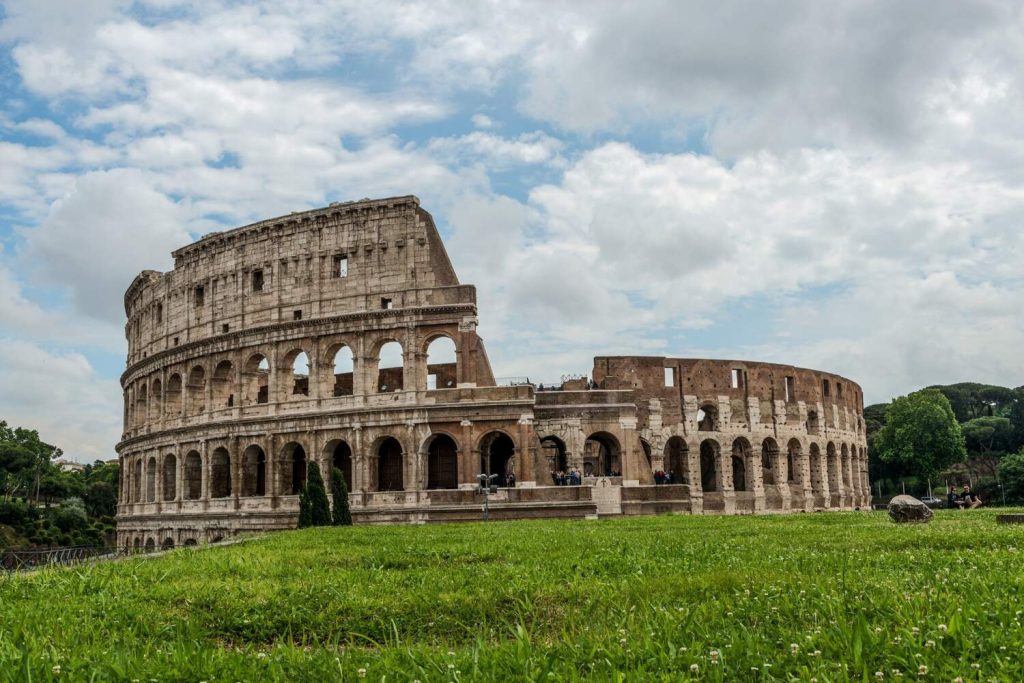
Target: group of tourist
[663,477]
[570,478]
[964,500]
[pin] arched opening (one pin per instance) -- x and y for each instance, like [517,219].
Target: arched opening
[442,463]
[844,461]
[156,400]
[389,466]
[832,463]
[137,545]
[220,474]
[390,368]
[293,469]
[496,453]
[150,545]
[793,451]
[740,457]
[189,542]
[709,451]
[441,364]
[677,460]
[256,380]
[151,480]
[645,446]
[601,456]
[168,544]
[812,422]
[298,362]
[254,471]
[172,402]
[141,403]
[341,459]
[344,372]
[193,476]
[137,484]
[770,462]
[224,385]
[170,476]
[817,485]
[196,390]
[553,449]
[707,418]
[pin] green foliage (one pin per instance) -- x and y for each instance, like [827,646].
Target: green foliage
[314,510]
[339,496]
[971,400]
[1011,476]
[921,433]
[829,596]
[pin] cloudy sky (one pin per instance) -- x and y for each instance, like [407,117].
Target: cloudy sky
[837,185]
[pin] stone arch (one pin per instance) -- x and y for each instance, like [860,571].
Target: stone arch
[645,446]
[256,380]
[141,403]
[137,483]
[190,542]
[677,459]
[193,477]
[707,417]
[602,453]
[846,467]
[150,544]
[170,483]
[137,544]
[220,473]
[196,390]
[224,385]
[442,462]
[296,364]
[390,367]
[555,454]
[817,483]
[172,402]
[741,456]
[793,453]
[390,465]
[832,466]
[151,480]
[710,474]
[339,454]
[813,423]
[341,380]
[442,363]
[168,544]
[497,455]
[254,471]
[293,466]
[771,462]
[156,399]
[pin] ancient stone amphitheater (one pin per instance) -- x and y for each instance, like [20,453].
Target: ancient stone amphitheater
[342,337]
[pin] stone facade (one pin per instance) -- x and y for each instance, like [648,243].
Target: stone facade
[265,350]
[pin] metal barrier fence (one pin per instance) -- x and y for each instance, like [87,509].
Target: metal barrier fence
[14,559]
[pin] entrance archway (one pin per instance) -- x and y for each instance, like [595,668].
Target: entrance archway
[442,463]
[496,452]
[601,456]
[389,466]
[709,452]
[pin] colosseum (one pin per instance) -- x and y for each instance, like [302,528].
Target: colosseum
[342,338]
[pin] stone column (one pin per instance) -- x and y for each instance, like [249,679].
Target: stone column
[756,473]
[806,481]
[525,466]
[158,488]
[467,473]
[204,456]
[696,489]
[726,481]
[179,474]
[630,466]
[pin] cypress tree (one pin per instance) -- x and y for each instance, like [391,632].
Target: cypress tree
[319,508]
[305,510]
[339,492]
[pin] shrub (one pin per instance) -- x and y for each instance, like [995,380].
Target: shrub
[314,510]
[339,493]
[1011,474]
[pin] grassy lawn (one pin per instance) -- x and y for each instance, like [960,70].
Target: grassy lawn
[828,596]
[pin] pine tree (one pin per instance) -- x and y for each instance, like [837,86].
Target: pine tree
[339,492]
[316,494]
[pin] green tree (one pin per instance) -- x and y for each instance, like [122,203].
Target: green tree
[921,432]
[1011,476]
[987,440]
[339,494]
[314,510]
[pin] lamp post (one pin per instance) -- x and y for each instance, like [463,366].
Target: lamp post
[486,488]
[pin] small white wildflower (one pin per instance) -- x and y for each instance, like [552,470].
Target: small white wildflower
[361,673]
[879,675]
[943,627]
[794,648]
[922,670]
[930,643]
[694,668]
[55,670]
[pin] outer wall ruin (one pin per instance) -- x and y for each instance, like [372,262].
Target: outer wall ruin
[261,353]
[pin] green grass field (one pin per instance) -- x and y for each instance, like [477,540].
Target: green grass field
[831,597]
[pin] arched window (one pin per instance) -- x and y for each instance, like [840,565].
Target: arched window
[170,476]
[390,470]
[196,390]
[601,456]
[173,396]
[740,457]
[156,400]
[220,474]
[298,363]
[224,385]
[812,422]
[254,471]
[137,484]
[709,454]
[168,544]
[677,460]
[344,372]
[442,463]
[441,364]
[390,368]
[832,464]
[293,469]
[151,481]
[554,454]
[341,459]
[793,451]
[496,453]
[141,404]
[256,380]
[707,418]
[770,462]
[193,479]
